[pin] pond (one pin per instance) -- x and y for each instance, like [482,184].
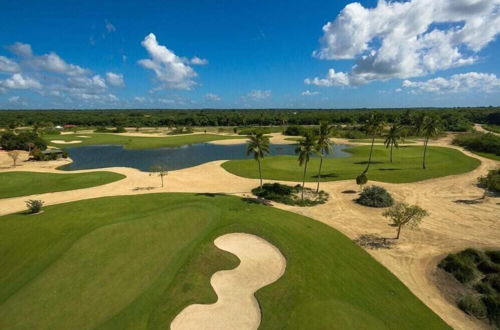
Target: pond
[100,156]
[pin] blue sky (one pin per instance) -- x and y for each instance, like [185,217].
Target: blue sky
[251,54]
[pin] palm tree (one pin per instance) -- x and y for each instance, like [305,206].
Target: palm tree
[431,127]
[373,126]
[392,137]
[323,146]
[258,145]
[305,149]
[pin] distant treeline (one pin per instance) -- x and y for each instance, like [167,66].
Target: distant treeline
[455,119]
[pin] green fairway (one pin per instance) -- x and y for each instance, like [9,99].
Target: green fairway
[487,155]
[29,183]
[135,142]
[380,141]
[407,165]
[134,262]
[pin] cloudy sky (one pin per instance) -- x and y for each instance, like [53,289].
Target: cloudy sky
[249,54]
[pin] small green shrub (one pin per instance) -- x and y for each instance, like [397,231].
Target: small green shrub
[492,303]
[494,256]
[484,288]
[488,267]
[462,270]
[375,196]
[472,255]
[479,142]
[491,181]
[493,280]
[34,205]
[290,195]
[473,305]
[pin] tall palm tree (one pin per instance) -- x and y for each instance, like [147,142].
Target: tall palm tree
[305,149]
[373,126]
[323,146]
[430,127]
[392,138]
[258,145]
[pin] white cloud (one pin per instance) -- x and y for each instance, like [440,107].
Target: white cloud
[21,49]
[212,97]
[115,79]
[18,81]
[199,61]
[8,65]
[259,94]
[140,99]
[171,71]
[457,83]
[14,99]
[109,27]
[309,93]
[406,39]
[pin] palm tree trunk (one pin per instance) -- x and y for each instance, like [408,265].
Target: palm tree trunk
[319,173]
[399,232]
[260,172]
[161,176]
[370,157]
[391,151]
[425,151]
[304,180]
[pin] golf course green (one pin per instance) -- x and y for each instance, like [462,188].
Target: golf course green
[135,142]
[134,262]
[406,166]
[16,184]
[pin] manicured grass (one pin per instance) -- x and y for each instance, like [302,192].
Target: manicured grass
[407,165]
[380,141]
[134,262]
[487,155]
[28,183]
[136,142]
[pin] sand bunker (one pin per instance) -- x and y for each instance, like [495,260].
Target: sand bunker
[236,307]
[83,136]
[66,142]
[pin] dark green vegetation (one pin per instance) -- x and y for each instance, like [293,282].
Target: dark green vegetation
[34,205]
[375,196]
[134,262]
[456,119]
[406,166]
[137,142]
[487,145]
[28,183]
[492,128]
[491,181]
[479,271]
[290,195]
[22,141]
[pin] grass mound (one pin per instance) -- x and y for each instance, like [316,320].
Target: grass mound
[375,196]
[134,262]
[290,195]
[16,184]
[479,271]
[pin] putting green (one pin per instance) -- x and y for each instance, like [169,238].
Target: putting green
[136,142]
[16,184]
[134,262]
[406,166]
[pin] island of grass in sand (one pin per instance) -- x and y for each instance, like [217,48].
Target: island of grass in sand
[21,183]
[136,142]
[137,261]
[406,165]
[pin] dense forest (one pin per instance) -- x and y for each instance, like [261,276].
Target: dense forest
[455,119]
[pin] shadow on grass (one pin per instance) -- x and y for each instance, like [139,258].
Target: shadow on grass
[260,201]
[327,175]
[366,162]
[389,169]
[210,194]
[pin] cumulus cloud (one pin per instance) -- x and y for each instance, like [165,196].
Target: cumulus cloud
[259,94]
[18,81]
[171,71]
[115,79]
[198,61]
[212,97]
[457,83]
[406,39]
[7,65]
[309,93]
[21,49]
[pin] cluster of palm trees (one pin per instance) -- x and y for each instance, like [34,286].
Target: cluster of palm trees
[320,143]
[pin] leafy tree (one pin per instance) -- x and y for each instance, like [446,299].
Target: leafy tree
[430,126]
[323,146]
[258,145]
[403,214]
[373,126]
[305,149]
[392,137]
[14,155]
[161,170]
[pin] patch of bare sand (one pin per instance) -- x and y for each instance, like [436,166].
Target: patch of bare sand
[450,227]
[66,142]
[479,128]
[236,307]
[274,138]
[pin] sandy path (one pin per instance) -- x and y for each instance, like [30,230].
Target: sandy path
[450,227]
[236,307]
[66,142]
[479,128]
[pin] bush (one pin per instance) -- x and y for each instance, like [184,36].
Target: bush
[375,196]
[488,267]
[462,270]
[11,141]
[290,195]
[491,181]
[493,280]
[361,179]
[34,205]
[479,142]
[484,288]
[473,305]
[494,256]
[472,255]
[297,130]
[492,303]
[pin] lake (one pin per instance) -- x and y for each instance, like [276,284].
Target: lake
[100,156]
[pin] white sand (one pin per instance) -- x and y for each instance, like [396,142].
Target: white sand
[66,142]
[236,306]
